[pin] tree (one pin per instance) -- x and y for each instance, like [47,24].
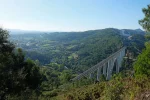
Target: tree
[5,45]
[66,75]
[145,22]
[142,65]
[16,74]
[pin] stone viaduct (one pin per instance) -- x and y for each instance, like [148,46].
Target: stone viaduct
[105,67]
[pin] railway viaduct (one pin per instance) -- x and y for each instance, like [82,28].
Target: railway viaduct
[105,67]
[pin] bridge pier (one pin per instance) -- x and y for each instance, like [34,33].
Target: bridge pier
[108,70]
[117,66]
[119,60]
[112,66]
[91,75]
[98,73]
[104,69]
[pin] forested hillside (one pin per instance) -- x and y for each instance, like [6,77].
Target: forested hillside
[77,50]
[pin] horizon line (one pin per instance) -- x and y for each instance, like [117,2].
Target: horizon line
[11,29]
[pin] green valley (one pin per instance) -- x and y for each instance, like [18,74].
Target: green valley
[99,64]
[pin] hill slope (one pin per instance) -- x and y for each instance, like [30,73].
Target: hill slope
[115,89]
[75,50]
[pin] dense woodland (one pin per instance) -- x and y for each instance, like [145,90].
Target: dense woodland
[40,66]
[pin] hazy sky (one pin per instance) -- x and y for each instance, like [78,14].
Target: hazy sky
[71,15]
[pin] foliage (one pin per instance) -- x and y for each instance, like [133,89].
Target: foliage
[116,89]
[142,65]
[16,74]
[145,22]
[65,76]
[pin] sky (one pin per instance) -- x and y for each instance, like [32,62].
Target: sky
[71,15]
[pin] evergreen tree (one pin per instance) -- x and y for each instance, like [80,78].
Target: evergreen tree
[145,22]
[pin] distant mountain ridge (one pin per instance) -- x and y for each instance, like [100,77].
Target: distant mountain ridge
[126,31]
[19,31]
